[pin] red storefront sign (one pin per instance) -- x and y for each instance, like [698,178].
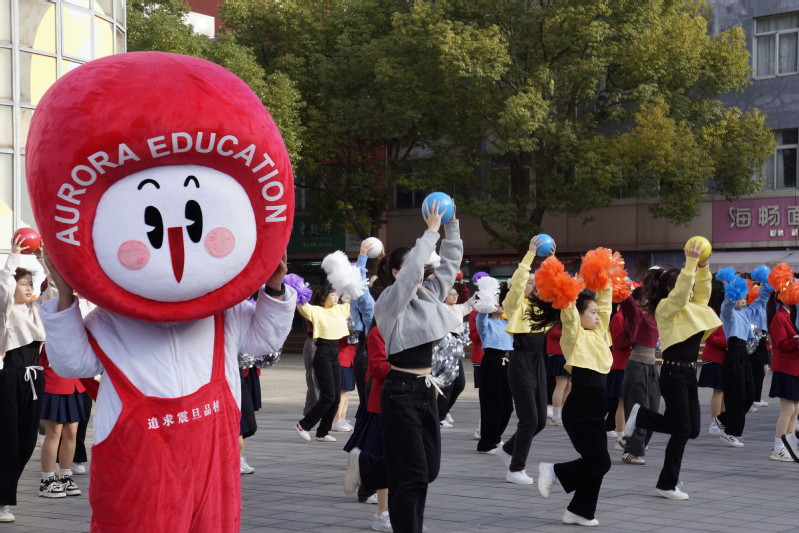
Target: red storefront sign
[752,220]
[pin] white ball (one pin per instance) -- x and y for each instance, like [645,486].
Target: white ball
[377,247]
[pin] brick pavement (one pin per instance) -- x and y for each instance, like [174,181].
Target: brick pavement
[297,486]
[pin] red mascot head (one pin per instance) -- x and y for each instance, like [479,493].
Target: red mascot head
[160,185]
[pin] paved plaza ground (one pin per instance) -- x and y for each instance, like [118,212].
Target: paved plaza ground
[297,486]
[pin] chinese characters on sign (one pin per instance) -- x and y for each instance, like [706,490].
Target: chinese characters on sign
[182,417]
[756,220]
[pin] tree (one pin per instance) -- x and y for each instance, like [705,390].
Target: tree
[601,100]
[160,25]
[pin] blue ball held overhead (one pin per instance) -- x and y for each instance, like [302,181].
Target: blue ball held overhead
[445,202]
[547,243]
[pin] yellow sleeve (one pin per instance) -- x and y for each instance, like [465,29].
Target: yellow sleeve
[307,311]
[518,281]
[572,328]
[604,301]
[680,295]
[702,286]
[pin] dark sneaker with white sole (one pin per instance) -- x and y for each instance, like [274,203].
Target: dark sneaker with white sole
[51,488]
[70,488]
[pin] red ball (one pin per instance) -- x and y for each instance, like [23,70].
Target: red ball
[30,238]
[459,276]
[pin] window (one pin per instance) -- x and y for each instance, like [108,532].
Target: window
[776,46]
[408,199]
[780,170]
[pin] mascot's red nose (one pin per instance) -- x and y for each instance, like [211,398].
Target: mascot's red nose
[176,250]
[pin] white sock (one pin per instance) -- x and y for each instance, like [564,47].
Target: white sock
[47,475]
[66,472]
[778,445]
[556,412]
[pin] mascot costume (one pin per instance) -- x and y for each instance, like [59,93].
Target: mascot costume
[164,193]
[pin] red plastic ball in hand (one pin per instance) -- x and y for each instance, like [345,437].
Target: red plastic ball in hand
[30,239]
[459,276]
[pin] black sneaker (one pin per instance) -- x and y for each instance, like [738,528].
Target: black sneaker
[70,487]
[52,488]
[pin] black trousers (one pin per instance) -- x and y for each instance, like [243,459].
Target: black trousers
[680,420]
[527,378]
[583,420]
[739,388]
[758,363]
[80,440]
[447,400]
[411,446]
[327,375]
[359,367]
[640,385]
[19,417]
[496,402]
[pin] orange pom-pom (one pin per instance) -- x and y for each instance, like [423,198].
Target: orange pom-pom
[754,291]
[554,285]
[790,294]
[600,266]
[621,290]
[780,276]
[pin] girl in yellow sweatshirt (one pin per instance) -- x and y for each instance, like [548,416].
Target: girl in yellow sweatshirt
[684,320]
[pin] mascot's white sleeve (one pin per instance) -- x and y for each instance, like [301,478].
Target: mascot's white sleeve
[263,327]
[68,348]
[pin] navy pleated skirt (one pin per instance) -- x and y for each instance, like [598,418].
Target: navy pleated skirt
[367,435]
[63,408]
[613,384]
[347,378]
[712,375]
[784,386]
[554,364]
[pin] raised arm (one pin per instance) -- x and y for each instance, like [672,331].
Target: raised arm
[680,295]
[68,348]
[702,285]
[451,256]
[263,327]
[8,285]
[517,283]
[604,303]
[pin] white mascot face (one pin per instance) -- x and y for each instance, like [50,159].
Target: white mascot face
[174,233]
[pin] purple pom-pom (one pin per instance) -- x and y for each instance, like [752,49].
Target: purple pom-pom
[477,275]
[303,290]
[737,289]
[760,274]
[726,275]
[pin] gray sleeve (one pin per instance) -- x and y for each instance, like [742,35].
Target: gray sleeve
[451,256]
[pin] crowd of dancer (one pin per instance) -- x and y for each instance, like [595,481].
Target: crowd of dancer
[578,350]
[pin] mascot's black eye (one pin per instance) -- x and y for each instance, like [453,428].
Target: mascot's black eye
[152,217]
[195,214]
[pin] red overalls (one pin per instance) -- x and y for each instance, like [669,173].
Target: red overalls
[169,464]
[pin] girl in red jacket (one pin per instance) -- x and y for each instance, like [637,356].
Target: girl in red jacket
[784,380]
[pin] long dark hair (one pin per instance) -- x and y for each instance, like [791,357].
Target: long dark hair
[542,315]
[664,286]
[716,295]
[648,289]
[388,263]
[320,294]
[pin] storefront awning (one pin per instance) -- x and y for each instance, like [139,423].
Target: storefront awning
[746,261]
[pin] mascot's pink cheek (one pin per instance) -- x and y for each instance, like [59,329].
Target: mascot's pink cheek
[133,255]
[220,242]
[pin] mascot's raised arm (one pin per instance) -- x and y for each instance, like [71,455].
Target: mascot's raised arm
[165,195]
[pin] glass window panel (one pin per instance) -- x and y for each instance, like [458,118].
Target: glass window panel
[5,21]
[120,11]
[6,126]
[81,3]
[783,22]
[404,199]
[36,74]
[66,66]
[104,7]
[5,73]
[768,173]
[788,137]
[103,38]
[788,42]
[25,210]
[6,199]
[76,32]
[37,25]
[25,116]
[765,56]
[120,42]
[786,168]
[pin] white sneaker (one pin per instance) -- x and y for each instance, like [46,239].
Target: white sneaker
[477,433]
[502,454]
[352,478]
[304,435]
[781,455]
[382,522]
[371,500]
[791,442]
[520,478]
[70,488]
[492,451]
[631,459]
[629,427]
[754,409]
[731,440]
[621,443]
[718,423]
[577,520]
[326,438]
[549,411]
[612,434]
[445,424]
[39,440]
[760,403]
[545,479]
[5,514]
[78,469]
[341,426]
[675,494]
[245,468]
[51,488]
[555,422]
[449,418]
[714,429]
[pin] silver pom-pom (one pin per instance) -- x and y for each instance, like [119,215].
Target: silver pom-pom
[446,356]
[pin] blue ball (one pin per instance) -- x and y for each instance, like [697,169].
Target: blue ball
[444,200]
[547,243]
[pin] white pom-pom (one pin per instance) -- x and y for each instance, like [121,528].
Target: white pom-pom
[434,260]
[487,295]
[344,277]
